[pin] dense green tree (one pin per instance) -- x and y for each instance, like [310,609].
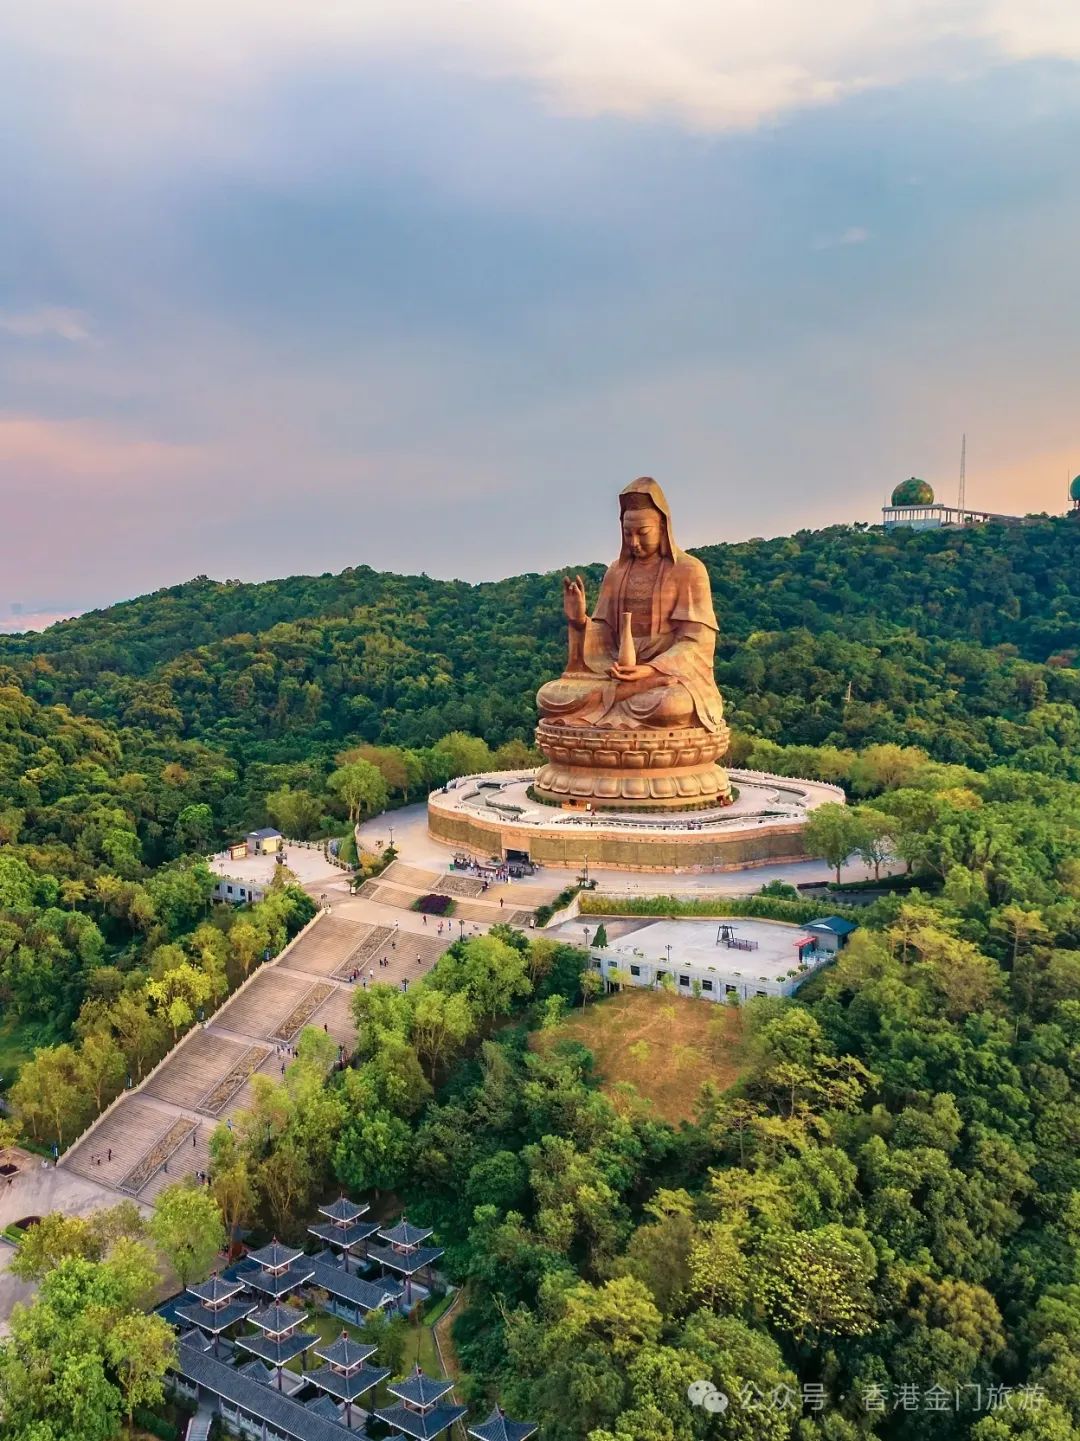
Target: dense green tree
[187,1227]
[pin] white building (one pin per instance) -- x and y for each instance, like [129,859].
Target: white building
[713,959]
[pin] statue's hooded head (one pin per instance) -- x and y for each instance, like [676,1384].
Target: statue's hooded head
[643,500]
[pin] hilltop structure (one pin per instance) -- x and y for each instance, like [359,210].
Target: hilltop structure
[913,507]
[633,732]
[1074,498]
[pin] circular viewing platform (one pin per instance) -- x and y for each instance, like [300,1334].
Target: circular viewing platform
[498,814]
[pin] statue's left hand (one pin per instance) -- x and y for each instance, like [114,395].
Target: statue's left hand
[635,672]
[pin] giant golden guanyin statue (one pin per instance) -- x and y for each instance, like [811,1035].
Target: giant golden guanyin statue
[636,718]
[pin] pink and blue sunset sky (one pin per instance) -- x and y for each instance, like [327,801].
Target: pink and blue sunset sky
[420,285]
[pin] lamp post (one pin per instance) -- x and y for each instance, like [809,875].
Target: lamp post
[668,949]
[586,930]
[391,837]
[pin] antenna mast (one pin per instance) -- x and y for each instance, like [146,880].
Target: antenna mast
[963,475]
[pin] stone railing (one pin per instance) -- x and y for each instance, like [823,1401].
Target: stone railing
[186,1038]
[772,778]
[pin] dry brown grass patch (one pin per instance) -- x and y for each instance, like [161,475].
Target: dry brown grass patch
[660,1049]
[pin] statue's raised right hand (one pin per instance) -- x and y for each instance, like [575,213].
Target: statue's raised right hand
[574,606]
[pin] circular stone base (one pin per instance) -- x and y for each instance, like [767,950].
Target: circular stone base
[645,767]
[495,815]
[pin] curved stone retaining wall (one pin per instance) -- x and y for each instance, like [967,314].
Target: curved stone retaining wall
[620,847]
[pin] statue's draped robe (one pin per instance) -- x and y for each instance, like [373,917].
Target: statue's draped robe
[680,594]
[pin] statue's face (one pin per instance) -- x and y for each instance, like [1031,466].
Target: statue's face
[642,532]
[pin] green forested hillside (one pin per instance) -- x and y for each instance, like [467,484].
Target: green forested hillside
[963,641]
[874,1234]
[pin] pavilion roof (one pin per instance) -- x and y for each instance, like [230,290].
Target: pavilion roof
[405,1233]
[498,1428]
[346,1235]
[345,1352]
[275,1257]
[347,1388]
[215,1289]
[277,1284]
[407,1262]
[343,1210]
[215,1318]
[423,1425]
[276,1350]
[277,1319]
[421,1390]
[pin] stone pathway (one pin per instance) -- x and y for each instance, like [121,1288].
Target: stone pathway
[160,1133]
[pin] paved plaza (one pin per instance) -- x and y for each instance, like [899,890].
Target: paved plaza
[307,863]
[417,848]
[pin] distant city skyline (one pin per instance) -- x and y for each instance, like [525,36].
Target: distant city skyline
[285,289]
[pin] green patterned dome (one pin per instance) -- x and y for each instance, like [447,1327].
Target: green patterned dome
[913,492]
[1074,489]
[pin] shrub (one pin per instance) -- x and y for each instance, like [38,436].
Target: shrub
[156,1425]
[433,905]
[766,908]
[566,895]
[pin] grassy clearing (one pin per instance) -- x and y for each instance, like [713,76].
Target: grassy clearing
[664,1047]
[17,1042]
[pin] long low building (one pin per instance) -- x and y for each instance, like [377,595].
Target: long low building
[714,959]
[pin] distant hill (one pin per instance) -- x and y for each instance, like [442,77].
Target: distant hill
[964,641]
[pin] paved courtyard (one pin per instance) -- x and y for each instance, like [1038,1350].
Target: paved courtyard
[308,864]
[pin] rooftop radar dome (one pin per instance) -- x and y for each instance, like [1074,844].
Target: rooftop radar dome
[1074,489]
[913,492]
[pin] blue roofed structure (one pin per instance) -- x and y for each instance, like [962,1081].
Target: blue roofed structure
[498,1427]
[831,933]
[425,1409]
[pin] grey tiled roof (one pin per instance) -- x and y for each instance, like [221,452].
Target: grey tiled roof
[350,1235]
[266,1402]
[412,1423]
[276,1351]
[405,1233]
[216,1288]
[207,1318]
[257,1371]
[323,1406]
[368,1295]
[344,1352]
[407,1262]
[275,1255]
[347,1388]
[344,1210]
[421,1390]
[277,1319]
[498,1428]
[279,1285]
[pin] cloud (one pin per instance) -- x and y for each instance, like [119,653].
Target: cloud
[32,620]
[73,453]
[853,235]
[711,65]
[47,321]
